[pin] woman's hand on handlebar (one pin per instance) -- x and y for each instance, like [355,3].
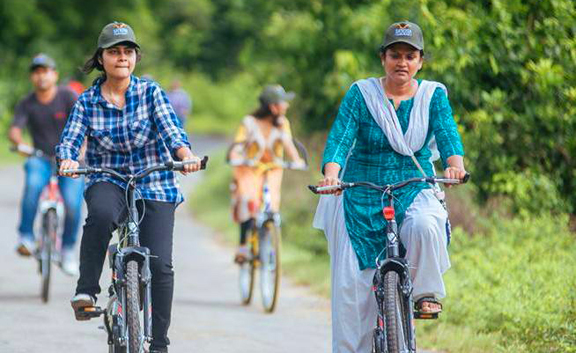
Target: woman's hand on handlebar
[331,172]
[454,173]
[185,154]
[330,181]
[68,164]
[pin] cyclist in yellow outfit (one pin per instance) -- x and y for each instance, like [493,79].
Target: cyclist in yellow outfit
[263,137]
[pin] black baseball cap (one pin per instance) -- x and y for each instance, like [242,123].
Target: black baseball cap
[116,33]
[42,60]
[403,32]
[272,94]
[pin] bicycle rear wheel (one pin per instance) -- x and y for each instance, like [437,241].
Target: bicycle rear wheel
[395,315]
[133,308]
[270,269]
[49,229]
[247,271]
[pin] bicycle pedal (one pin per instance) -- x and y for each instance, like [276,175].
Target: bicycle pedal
[424,316]
[90,311]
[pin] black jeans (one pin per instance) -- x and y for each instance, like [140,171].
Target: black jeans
[106,210]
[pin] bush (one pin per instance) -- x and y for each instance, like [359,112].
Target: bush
[517,280]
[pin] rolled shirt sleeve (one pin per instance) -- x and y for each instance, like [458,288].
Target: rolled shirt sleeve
[168,124]
[74,133]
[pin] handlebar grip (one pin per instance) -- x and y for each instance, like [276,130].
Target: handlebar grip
[79,171]
[317,189]
[179,166]
[466,178]
[26,150]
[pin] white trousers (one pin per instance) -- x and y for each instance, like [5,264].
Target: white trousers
[354,311]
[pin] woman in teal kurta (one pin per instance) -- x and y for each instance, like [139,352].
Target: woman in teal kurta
[373,159]
[358,149]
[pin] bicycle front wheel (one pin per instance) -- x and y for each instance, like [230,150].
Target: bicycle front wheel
[247,272]
[133,307]
[270,270]
[395,315]
[49,229]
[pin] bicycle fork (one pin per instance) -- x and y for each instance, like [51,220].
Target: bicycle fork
[398,264]
[142,256]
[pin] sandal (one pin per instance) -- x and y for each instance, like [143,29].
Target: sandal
[241,254]
[421,313]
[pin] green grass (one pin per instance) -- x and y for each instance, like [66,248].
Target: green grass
[511,288]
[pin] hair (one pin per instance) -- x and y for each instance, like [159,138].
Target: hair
[264,111]
[382,50]
[94,61]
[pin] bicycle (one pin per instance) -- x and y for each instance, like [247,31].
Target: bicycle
[264,239]
[392,285]
[51,211]
[130,290]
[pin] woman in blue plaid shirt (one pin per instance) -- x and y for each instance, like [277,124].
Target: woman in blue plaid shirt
[129,125]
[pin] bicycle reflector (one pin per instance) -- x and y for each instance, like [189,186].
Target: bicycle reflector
[388,213]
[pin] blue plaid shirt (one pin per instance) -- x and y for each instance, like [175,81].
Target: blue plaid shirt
[145,132]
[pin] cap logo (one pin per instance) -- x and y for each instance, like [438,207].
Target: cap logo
[402,30]
[119,29]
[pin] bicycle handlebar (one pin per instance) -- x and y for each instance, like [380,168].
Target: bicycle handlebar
[27,150]
[391,187]
[170,165]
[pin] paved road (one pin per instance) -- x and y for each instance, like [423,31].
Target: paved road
[207,316]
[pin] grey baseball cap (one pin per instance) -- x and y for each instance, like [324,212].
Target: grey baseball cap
[404,32]
[42,60]
[275,94]
[115,33]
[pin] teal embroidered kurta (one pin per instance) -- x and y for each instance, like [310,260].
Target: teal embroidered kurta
[371,158]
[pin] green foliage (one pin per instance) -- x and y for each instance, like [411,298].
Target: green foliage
[518,280]
[509,66]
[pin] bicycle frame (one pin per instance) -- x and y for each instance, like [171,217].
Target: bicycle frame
[128,249]
[264,243]
[51,199]
[266,212]
[264,215]
[393,262]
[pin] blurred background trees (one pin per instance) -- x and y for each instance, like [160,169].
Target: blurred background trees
[509,67]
